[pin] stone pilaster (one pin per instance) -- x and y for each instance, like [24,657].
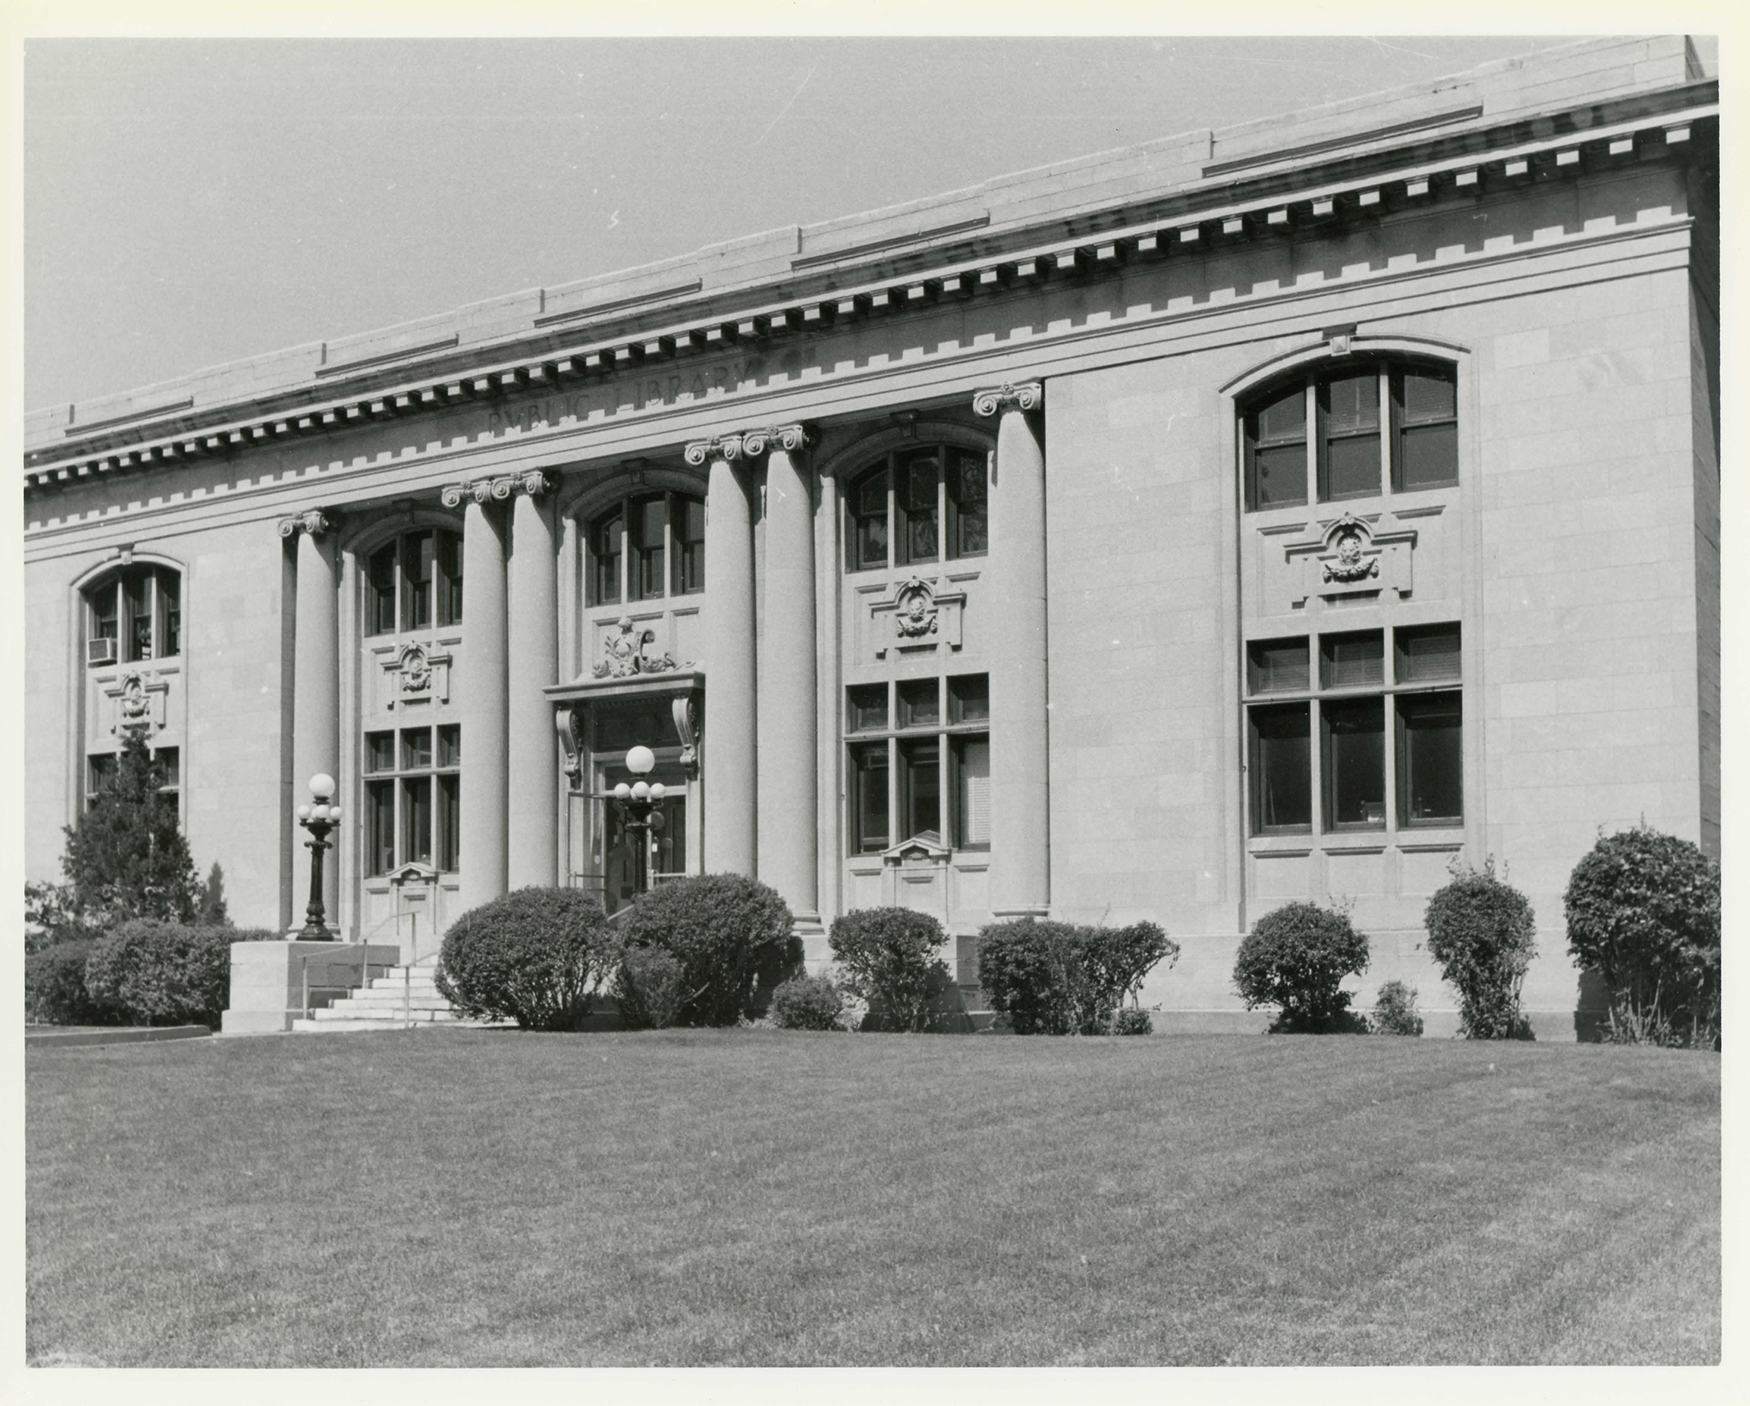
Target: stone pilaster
[730,813]
[532,664]
[786,724]
[1020,845]
[315,689]
[480,677]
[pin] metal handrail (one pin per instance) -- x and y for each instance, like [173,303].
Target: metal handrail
[364,946]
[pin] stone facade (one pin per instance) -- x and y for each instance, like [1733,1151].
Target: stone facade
[933,551]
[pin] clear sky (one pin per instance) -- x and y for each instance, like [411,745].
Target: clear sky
[189,202]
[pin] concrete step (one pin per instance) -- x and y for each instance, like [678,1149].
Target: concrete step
[428,1015]
[341,1026]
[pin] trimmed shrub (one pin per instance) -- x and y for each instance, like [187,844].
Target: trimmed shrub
[1643,911]
[887,956]
[807,1003]
[1132,1020]
[54,987]
[1059,979]
[154,973]
[536,956]
[1482,932]
[1394,1011]
[648,986]
[1295,959]
[731,935]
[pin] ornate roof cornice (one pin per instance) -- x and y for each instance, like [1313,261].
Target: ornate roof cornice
[1282,195]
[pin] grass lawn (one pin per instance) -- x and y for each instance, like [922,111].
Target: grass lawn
[490,1199]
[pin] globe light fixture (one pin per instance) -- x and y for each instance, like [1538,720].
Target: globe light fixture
[640,804]
[319,819]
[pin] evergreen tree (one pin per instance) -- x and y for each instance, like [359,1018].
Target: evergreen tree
[212,900]
[126,858]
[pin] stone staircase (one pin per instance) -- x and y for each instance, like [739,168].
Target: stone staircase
[388,1003]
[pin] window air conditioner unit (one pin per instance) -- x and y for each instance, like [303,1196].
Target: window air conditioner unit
[100,651]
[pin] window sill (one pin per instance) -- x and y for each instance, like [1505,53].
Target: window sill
[1433,838]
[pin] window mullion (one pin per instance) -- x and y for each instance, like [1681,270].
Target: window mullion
[1315,753]
[1387,430]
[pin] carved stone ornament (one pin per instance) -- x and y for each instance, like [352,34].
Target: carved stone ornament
[686,724]
[725,447]
[914,612]
[415,669]
[748,444]
[1026,396]
[625,657]
[1348,557]
[139,696]
[314,522]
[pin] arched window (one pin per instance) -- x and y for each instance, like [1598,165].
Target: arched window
[1376,425]
[134,615]
[414,582]
[918,504]
[646,546]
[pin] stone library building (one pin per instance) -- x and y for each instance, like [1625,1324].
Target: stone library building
[1284,512]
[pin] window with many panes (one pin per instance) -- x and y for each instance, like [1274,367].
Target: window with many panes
[918,759]
[134,615]
[915,505]
[166,765]
[413,789]
[1374,425]
[645,547]
[414,583]
[1320,710]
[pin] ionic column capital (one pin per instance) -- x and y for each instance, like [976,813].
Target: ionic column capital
[749,444]
[1029,395]
[533,482]
[314,522]
[725,447]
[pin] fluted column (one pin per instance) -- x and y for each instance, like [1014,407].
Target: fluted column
[315,689]
[480,695]
[1020,842]
[788,767]
[532,664]
[730,815]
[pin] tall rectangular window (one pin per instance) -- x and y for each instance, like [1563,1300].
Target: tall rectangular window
[379,827]
[137,616]
[449,565]
[1276,451]
[914,509]
[1354,763]
[689,545]
[868,778]
[380,591]
[868,507]
[920,787]
[604,552]
[412,798]
[417,560]
[970,758]
[1281,768]
[646,532]
[169,615]
[1349,452]
[1430,759]
[967,504]
[1425,408]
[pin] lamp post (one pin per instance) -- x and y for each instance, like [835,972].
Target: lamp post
[319,819]
[640,804]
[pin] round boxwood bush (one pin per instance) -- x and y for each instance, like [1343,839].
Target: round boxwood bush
[1482,932]
[536,956]
[1394,1011]
[731,935]
[649,988]
[1295,959]
[1643,911]
[154,973]
[54,987]
[807,1003]
[888,957]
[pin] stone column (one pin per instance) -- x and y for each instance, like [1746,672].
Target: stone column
[532,664]
[1020,841]
[788,766]
[480,696]
[315,696]
[729,739]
